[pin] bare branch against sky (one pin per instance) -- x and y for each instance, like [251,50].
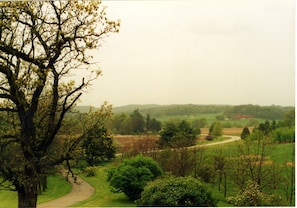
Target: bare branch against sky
[198,51]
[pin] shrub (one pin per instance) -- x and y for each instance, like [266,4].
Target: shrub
[133,174]
[176,191]
[252,196]
[90,171]
[284,134]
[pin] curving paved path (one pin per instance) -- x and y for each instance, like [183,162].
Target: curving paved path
[232,139]
[83,190]
[80,191]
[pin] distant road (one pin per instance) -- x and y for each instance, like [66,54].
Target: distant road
[232,139]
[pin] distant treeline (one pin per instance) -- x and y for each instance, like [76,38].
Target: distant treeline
[265,112]
[272,112]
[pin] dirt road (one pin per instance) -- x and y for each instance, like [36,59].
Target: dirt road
[80,191]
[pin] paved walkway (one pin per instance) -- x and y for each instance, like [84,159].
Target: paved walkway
[80,191]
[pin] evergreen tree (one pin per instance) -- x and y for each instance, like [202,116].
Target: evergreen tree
[245,133]
[98,146]
[137,122]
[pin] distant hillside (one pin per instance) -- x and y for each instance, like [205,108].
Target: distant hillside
[84,109]
[264,112]
[132,107]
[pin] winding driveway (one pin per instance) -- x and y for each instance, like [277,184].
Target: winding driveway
[83,190]
[80,191]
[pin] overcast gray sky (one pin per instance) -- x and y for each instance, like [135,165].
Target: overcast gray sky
[198,51]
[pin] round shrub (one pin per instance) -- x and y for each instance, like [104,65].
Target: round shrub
[176,191]
[133,174]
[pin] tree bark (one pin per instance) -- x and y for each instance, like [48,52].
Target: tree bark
[27,195]
[27,186]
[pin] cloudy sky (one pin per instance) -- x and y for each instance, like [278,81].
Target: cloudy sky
[198,51]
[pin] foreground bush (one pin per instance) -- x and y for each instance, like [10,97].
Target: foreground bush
[131,176]
[176,191]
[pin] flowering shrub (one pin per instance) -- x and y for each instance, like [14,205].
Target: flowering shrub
[252,196]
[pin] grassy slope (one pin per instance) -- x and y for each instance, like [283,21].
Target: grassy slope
[57,187]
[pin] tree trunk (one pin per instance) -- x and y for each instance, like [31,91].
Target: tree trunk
[27,187]
[27,195]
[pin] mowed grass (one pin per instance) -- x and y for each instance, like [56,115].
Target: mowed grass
[57,187]
[103,196]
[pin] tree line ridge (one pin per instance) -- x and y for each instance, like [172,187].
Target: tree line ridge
[231,111]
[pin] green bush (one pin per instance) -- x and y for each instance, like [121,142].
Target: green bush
[90,171]
[133,174]
[284,134]
[176,191]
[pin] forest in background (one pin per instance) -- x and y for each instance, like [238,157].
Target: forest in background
[272,112]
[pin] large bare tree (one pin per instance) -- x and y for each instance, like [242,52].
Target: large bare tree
[42,43]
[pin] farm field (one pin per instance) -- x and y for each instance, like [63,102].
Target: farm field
[137,142]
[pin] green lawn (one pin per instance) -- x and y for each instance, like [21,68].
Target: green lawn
[57,187]
[103,197]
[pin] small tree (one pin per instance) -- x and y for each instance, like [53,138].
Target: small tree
[245,133]
[176,191]
[216,129]
[137,122]
[98,146]
[133,174]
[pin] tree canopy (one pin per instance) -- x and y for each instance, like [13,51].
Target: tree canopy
[179,134]
[42,43]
